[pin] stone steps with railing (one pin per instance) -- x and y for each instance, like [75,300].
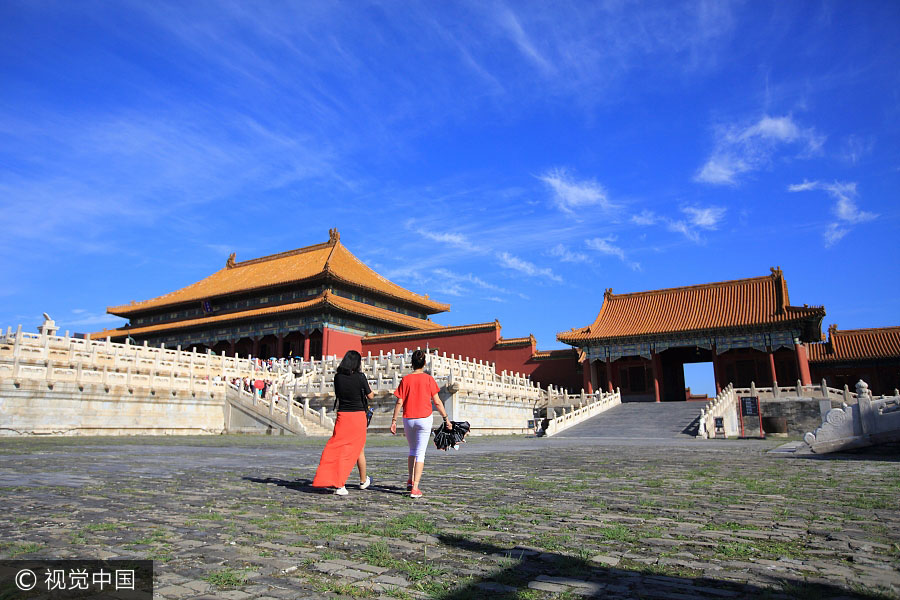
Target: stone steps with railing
[725,405]
[575,409]
[870,421]
[281,411]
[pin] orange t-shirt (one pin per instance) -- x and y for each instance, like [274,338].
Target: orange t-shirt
[416,391]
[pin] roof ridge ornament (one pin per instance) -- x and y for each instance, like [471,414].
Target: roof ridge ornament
[608,292]
[334,236]
[229,264]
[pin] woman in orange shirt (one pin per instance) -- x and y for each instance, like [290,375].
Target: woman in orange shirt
[414,396]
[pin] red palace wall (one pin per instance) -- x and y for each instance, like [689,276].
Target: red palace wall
[476,345]
[338,342]
[562,372]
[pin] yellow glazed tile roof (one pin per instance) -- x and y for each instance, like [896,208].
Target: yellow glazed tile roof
[519,341]
[554,354]
[726,304]
[330,258]
[857,344]
[441,330]
[327,298]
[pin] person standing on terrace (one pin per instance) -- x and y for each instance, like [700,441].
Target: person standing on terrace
[415,395]
[347,443]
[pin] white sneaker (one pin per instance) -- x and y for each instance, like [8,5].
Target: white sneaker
[341,491]
[365,483]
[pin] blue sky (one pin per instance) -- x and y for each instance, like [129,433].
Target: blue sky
[511,159]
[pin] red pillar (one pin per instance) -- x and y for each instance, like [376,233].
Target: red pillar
[772,367]
[609,381]
[716,376]
[255,350]
[232,347]
[306,347]
[586,384]
[802,363]
[326,335]
[656,364]
[279,345]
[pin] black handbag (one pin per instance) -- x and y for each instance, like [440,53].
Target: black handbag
[369,411]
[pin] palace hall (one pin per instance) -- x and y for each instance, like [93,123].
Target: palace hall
[849,355]
[313,301]
[747,329]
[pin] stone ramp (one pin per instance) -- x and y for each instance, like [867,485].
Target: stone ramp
[648,420]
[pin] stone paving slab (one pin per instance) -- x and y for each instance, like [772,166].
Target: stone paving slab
[517,518]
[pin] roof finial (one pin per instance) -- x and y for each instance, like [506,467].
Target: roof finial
[229,264]
[608,293]
[334,235]
[776,271]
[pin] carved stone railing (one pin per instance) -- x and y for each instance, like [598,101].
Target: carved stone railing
[799,390]
[596,403]
[724,406]
[295,417]
[21,352]
[868,422]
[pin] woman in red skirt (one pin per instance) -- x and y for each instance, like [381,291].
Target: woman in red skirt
[345,448]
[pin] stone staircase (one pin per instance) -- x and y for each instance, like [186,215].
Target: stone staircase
[276,413]
[641,420]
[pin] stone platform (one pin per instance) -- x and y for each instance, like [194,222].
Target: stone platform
[582,516]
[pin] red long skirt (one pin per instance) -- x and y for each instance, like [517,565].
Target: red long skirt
[342,450]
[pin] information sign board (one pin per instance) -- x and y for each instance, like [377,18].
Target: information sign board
[720,426]
[750,412]
[750,406]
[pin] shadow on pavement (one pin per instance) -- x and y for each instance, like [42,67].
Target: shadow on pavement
[864,454]
[571,576]
[305,486]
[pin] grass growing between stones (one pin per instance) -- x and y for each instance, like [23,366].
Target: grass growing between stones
[17,549]
[227,578]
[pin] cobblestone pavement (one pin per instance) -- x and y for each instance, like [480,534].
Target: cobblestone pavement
[235,518]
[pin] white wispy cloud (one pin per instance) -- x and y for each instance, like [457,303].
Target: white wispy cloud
[459,278]
[646,217]
[706,218]
[605,245]
[742,149]
[845,207]
[697,220]
[444,280]
[508,22]
[854,147]
[834,233]
[523,266]
[564,254]
[684,229]
[457,240]
[570,194]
